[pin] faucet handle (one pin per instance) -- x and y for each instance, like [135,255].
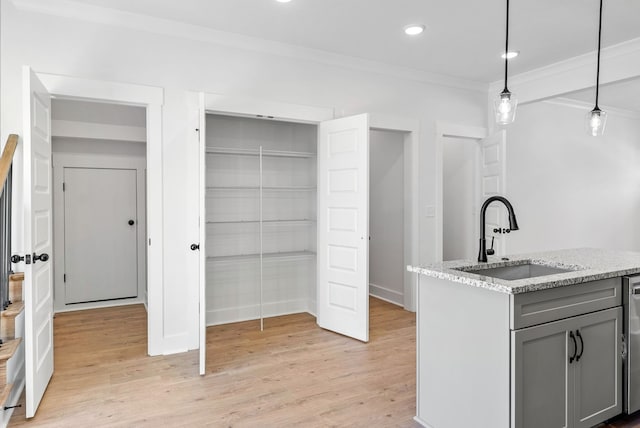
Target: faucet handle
[491,251]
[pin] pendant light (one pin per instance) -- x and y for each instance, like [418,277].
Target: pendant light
[596,118]
[505,106]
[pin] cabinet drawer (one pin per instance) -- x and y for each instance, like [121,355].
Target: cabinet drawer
[539,307]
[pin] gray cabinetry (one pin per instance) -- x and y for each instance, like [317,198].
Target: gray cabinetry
[507,359]
[598,373]
[542,379]
[567,373]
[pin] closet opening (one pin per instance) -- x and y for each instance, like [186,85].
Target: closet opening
[387,215]
[99,207]
[261,217]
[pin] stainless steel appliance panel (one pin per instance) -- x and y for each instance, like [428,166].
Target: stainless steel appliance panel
[632,334]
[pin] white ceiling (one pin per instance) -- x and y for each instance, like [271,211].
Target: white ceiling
[464,38]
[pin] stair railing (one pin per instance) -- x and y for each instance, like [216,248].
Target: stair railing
[6,184]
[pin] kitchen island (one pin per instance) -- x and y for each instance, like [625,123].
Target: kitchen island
[527,341]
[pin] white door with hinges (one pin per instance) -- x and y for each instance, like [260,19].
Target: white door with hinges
[492,183]
[38,272]
[343,226]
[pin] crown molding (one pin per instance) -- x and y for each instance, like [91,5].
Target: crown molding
[619,62]
[588,106]
[107,16]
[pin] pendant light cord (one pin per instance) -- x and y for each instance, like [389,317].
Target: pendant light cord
[506,51]
[598,65]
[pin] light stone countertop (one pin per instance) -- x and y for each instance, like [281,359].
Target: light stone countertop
[586,264]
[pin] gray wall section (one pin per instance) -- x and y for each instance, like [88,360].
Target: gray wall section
[386,215]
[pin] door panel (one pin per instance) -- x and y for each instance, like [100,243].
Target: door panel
[101,261]
[343,226]
[492,183]
[202,259]
[542,379]
[38,278]
[598,388]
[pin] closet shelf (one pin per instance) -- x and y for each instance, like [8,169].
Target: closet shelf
[281,221]
[292,255]
[264,188]
[255,152]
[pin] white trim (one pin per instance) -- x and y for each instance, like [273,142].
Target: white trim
[421,422]
[76,129]
[448,130]
[98,305]
[152,98]
[139,22]
[587,106]
[383,293]
[254,107]
[619,62]
[78,160]
[98,90]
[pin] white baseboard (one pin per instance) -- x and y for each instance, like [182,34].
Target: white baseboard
[252,312]
[421,422]
[97,305]
[312,307]
[386,294]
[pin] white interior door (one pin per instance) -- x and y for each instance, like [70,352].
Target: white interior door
[202,256]
[343,226]
[38,277]
[100,228]
[492,183]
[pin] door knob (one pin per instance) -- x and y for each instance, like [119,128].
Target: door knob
[42,257]
[131,222]
[195,247]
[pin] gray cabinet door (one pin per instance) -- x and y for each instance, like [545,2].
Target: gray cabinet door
[541,377]
[598,377]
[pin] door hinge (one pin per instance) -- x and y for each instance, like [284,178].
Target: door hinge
[64,277]
[64,187]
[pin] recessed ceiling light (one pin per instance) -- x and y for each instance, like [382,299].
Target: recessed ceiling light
[510,54]
[414,29]
[283,1]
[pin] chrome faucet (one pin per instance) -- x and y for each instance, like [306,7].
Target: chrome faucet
[513,223]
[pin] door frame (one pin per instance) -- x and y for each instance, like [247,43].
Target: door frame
[446,130]
[89,161]
[211,103]
[152,98]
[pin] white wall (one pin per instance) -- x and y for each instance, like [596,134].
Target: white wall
[59,45]
[569,189]
[386,215]
[459,240]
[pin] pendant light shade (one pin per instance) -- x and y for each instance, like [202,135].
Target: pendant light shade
[505,105]
[596,118]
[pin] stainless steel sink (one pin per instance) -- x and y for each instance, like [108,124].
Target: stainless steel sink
[520,271]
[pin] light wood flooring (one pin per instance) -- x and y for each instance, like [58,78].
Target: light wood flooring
[292,374]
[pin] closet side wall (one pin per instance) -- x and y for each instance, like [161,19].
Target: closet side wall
[386,215]
[239,228]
